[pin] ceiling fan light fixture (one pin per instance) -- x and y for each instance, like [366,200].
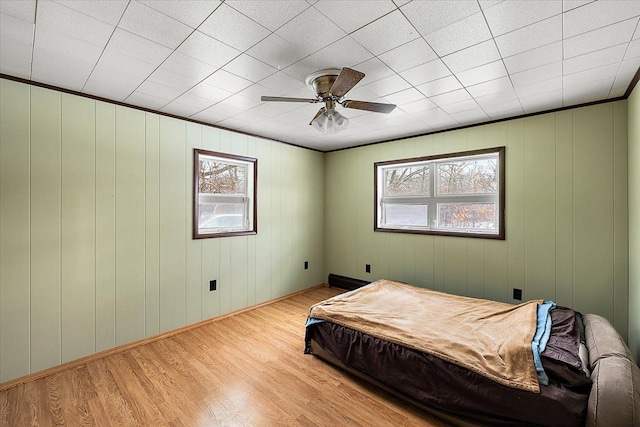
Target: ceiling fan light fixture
[330,121]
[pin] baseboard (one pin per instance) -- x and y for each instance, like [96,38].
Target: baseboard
[105,353]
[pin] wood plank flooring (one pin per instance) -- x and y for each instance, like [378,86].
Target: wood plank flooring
[244,370]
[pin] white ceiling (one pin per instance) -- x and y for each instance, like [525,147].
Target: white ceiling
[445,64]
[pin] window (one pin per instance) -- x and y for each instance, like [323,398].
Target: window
[460,194]
[224,195]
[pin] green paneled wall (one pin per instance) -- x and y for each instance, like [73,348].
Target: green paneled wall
[566,215]
[95,227]
[634,223]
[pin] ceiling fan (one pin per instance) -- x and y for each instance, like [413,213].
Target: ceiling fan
[330,86]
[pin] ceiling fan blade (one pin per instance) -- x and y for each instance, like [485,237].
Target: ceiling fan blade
[369,106]
[322,110]
[285,99]
[345,81]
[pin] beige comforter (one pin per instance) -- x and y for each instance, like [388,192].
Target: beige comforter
[490,338]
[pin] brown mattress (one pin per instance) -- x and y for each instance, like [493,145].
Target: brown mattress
[460,392]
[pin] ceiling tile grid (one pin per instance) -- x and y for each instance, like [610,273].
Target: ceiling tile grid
[443,64]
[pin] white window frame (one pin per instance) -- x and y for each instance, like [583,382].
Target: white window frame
[434,200]
[248,197]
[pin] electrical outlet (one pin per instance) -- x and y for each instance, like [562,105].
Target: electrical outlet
[306,265]
[367,268]
[517,294]
[212,285]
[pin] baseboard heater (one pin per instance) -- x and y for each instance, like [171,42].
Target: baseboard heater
[343,282]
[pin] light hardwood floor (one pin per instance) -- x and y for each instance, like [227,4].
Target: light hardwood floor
[247,370]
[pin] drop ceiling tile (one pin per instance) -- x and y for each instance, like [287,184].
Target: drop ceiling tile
[227,81]
[633,51]
[249,68]
[542,102]
[418,106]
[158,90]
[63,44]
[115,85]
[146,101]
[190,12]
[436,87]
[57,19]
[16,30]
[530,37]
[486,4]
[452,97]
[455,37]
[208,92]
[362,93]
[153,25]
[457,107]
[536,75]
[374,70]
[24,10]
[430,16]
[567,5]
[612,55]
[282,83]
[125,43]
[310,31]
[491,71]
[539,88]
[426,72]
[508,94]
[533,58]
[255,91]
[504,109]
[207,49]
[273,109]
[589,92]
[182,109]
[386,33]
[388,85]
[59,70]
[636,35]
[271,14]
[241,102]
[600,39]
[15,57]
[512,15]
[405,96]
[277,52]
[474,56]
[607,72]
[597,15]
[629,66]
[113,62]
[106,11]
[233,28]
[216,113]
[471,116]
[188,66]
[171,79]
[360,12]
[499,86]
[409,55]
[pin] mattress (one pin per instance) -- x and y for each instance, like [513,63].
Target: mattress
[462,393]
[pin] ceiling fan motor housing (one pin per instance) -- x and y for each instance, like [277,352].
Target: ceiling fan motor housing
[321,82]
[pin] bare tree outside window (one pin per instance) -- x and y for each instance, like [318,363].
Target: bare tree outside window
[455,194]
[224,202]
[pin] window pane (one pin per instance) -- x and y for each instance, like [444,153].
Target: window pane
[221,178]
[221,215]
[406,215]
[408,181]
[468,177]
[463,215]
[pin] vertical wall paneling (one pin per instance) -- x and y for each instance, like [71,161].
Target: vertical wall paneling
[265,221]
[210,247]
[564,209]
[45,230]
[78,227]
[515,215]
[130,225]
[193,257]
[251,241]
[14,230]
[287,201]
[277,226]
[367,253]
[620,218]
[539,205]
[105,226]
[172,223]
[152,224]
[224,284]
[495,251]
[633,188]
[593,216]
[239,245]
